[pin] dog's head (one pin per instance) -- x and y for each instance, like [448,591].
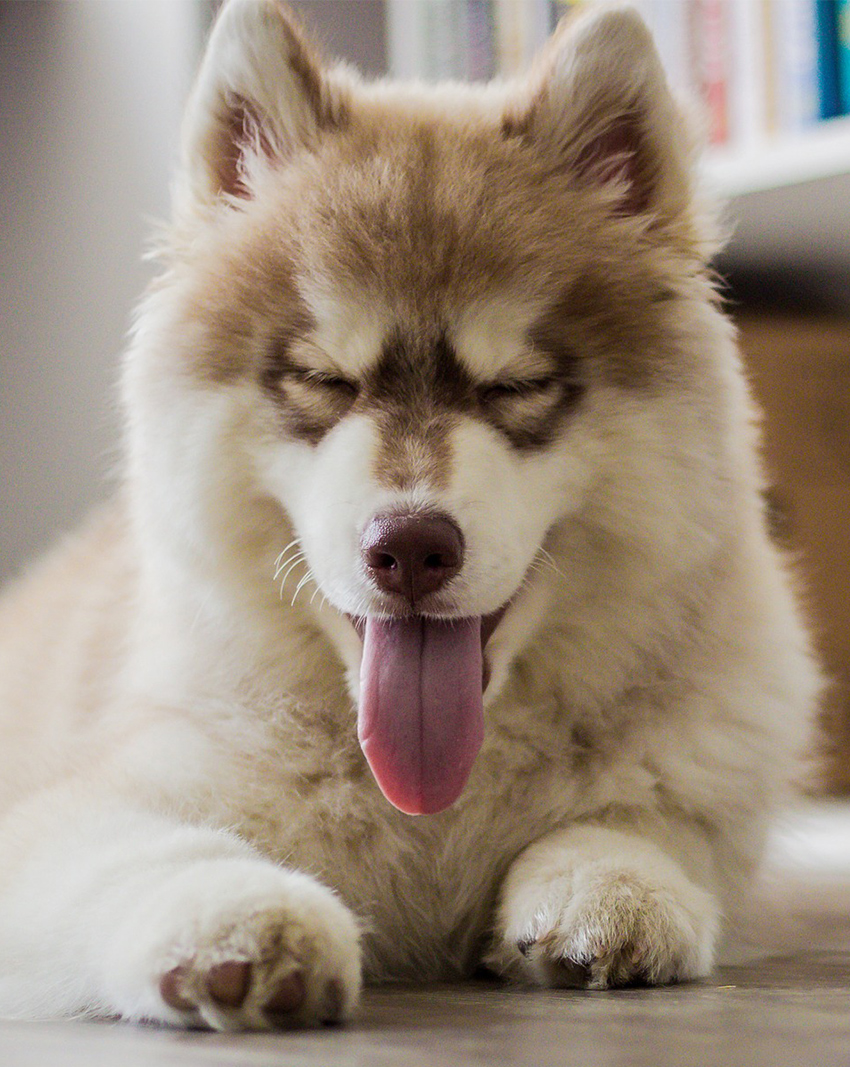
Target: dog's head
[411,342]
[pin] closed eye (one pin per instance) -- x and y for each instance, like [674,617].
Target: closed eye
[323,380]
[515,387]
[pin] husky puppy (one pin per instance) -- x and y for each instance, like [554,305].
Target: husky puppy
[440,500]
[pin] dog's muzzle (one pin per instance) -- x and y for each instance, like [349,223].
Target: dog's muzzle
[421,716]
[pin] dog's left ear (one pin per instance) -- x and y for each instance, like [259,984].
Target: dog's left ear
[261,95]
[598,104]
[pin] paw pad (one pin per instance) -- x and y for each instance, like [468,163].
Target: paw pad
[286,999]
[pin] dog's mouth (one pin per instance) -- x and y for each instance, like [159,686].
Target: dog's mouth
[421,713]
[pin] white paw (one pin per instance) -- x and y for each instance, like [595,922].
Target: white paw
[236,945]
[605,923]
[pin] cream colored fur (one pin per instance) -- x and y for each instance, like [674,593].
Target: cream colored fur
[182,785]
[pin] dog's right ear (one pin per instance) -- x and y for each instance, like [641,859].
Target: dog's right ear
[597,105]
[260,96]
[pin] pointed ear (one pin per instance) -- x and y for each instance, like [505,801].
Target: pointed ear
[597,102]
[260,96]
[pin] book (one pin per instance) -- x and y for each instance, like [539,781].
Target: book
[843,47]
[760,67]
[795,47]
[405,35]
[436,39]
[522,27]
[709,35]
[748,75]
[826,24]
[479,26]
[669,24]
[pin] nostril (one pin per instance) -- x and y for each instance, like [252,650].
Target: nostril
[382,561]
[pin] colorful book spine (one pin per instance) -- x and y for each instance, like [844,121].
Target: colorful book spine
[522,26]
[406,36]
[480,33]
[843,45]
[510,36]
[770,86]
[710,51]
[669,24]
[796,66]
[761,67]
[748,103]
[436,39]
[444,55]
[829,95]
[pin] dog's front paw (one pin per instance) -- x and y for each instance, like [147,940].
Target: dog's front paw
[598,921]
[237,945]
[618,930]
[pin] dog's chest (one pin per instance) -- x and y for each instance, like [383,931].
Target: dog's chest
[424,887]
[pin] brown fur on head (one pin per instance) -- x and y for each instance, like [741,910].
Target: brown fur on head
[436,282]
[570,191]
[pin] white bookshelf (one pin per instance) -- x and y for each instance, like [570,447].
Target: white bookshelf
[821,151]
[788,202]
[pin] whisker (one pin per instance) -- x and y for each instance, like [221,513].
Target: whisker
[290,559]
[307,578]
[294,541]
[548,560]
[292,565]
[318,592]
[295,563]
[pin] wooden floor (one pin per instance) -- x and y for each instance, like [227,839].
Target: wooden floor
[790,1009]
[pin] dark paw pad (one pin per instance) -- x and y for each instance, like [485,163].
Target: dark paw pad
[228,983]
[286,1000]
[170,989]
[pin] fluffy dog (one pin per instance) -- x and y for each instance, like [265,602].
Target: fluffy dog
[441,499]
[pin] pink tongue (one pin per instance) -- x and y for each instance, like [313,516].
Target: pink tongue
[421,719]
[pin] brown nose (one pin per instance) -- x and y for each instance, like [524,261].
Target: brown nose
[411,555]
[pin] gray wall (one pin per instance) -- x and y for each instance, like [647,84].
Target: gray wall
[90,97]
[91,93]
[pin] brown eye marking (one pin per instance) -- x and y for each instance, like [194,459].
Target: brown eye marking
[277,359]
[309,401]
[313,402]
[529,411]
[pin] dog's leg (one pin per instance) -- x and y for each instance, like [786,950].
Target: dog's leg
[108,910]
[595,907]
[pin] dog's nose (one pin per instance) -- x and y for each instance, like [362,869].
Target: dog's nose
[412,555]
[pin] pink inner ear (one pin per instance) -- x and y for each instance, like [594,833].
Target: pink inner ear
[618,154]
[242,128]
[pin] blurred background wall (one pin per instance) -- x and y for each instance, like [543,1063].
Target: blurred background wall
[91,95]
[90,101]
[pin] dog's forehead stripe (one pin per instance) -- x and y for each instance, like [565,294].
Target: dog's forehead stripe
[411,366]
[412,392]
